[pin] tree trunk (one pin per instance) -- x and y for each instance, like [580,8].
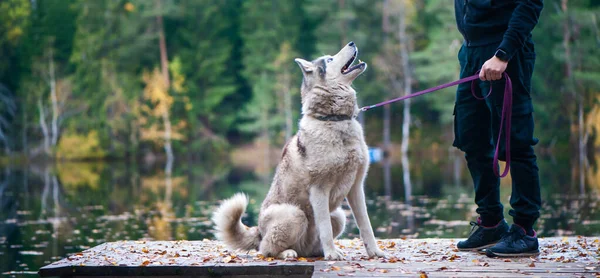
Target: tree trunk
[582,147]
[164,62]
[44,127]
[164,59]
[579,99]
[45,191]
[54,99]
[287,97]
[387,173]
[24,134]
[385,26]
[407,79]
[407,90]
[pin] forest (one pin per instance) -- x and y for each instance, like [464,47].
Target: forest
[168,80]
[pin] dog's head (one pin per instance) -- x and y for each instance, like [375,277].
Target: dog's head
[334,70]
[326,86]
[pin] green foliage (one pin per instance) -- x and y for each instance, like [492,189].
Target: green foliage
[435,62]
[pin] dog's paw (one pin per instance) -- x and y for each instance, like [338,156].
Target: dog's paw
[376,252]
[287,254]
[334,255]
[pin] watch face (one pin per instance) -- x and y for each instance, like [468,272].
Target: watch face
[501,55]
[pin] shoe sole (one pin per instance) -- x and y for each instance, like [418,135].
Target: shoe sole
[507,255]
[477,249]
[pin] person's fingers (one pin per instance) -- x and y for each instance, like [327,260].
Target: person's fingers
[482,74]
[495,76]
[498,75]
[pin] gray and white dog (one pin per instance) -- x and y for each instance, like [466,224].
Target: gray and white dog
[326,161]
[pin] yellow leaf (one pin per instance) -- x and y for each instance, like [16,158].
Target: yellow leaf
[145,250]
[129,7]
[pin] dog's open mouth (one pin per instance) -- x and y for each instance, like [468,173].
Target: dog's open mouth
[347,68]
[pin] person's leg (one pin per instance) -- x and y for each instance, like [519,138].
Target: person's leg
[525,198]
[473,135]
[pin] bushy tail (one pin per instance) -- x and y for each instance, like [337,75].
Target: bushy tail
[229,227]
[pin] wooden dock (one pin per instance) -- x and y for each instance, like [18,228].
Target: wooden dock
[567,257]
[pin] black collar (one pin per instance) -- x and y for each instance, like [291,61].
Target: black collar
[333,118]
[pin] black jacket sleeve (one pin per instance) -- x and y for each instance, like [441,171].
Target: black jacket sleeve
[523,20]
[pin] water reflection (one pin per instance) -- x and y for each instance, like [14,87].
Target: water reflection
[50,211]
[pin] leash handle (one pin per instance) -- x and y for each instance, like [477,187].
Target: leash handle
[505,118]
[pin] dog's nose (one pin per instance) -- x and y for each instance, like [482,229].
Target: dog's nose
[351,43]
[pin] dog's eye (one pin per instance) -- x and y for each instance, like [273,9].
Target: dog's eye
[329,60]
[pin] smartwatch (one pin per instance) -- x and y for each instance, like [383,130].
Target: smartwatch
[501,54]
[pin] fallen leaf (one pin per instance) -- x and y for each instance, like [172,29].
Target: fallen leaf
[145,250]
[302,259]
[531,264]
[423,275]
[335,268]
[227,259]
[383,270]
[145,263]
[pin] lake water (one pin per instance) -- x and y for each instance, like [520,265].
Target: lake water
[51,211]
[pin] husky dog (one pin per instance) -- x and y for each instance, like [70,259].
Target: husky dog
[326,161]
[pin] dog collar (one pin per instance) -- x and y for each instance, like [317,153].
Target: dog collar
[333,118]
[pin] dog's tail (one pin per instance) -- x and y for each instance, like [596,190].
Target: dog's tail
[229,227]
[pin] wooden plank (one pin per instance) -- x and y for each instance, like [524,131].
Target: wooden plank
[573,256]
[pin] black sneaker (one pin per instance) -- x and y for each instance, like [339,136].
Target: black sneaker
[482,237]
[516,243]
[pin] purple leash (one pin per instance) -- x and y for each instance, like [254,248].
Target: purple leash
[505,118]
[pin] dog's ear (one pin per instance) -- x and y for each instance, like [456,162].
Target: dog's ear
[306,66]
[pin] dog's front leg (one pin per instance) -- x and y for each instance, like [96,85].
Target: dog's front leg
[319,200]
[356,200]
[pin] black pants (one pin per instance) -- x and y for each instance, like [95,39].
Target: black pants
[476,127]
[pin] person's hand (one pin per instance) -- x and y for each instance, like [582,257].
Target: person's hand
[492,69]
